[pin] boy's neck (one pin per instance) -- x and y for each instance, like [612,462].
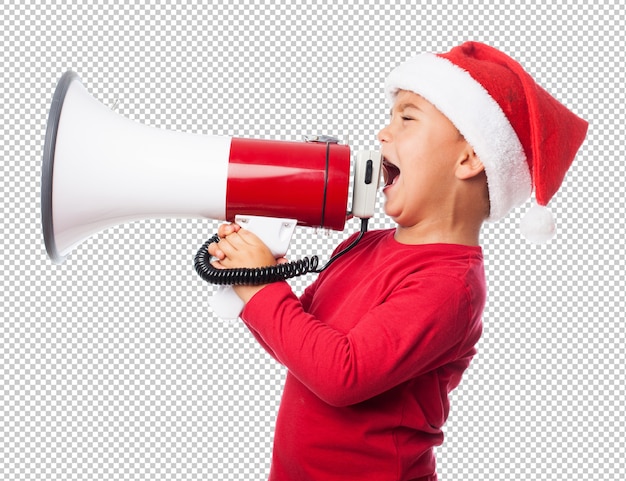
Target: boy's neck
[443,231]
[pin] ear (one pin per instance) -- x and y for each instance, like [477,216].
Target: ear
[469,165]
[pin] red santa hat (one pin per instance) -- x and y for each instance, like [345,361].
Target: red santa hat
[524,137]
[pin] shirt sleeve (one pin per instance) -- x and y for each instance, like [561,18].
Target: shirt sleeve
[305,300]
[420,327]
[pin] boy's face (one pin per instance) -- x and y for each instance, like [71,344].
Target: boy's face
[421,149]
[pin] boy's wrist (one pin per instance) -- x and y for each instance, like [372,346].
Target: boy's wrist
[246,293]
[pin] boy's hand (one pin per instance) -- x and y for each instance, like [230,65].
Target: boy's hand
[223,231]
[239,247]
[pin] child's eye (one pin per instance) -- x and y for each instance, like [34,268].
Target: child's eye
[404,117]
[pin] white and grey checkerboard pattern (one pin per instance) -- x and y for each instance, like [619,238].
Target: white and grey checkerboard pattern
[112,365]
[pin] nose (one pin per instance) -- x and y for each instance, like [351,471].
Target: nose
[384,135]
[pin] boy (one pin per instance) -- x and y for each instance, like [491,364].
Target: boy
[374,346]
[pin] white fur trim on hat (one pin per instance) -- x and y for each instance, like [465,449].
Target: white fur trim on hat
[478,117]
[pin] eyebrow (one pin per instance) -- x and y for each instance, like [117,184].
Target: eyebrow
[401,107]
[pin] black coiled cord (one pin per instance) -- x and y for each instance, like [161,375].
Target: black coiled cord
[261,275]
[249,276]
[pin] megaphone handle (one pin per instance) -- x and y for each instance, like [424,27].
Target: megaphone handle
[276,234]
[225,303]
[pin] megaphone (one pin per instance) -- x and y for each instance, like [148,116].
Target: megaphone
[101,169]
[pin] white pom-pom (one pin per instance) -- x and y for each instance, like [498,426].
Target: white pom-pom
[537,225]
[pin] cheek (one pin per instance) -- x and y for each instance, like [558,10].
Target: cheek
[423,176]
[409,156]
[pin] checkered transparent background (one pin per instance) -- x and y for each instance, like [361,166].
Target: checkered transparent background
[112,366]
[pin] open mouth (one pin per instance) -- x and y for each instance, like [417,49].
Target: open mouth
[390,172]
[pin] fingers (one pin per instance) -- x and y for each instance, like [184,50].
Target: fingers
[217,265]
[248,237]
[240,248]
[238,239]
[235,247]
[223,231]
[216,251]
[226,247]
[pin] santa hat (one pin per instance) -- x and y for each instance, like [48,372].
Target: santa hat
[524,137]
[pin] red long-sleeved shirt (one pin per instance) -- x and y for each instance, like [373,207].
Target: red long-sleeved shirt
[373,347]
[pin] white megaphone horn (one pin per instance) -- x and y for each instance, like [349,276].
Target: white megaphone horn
[101,169]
